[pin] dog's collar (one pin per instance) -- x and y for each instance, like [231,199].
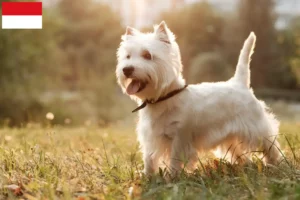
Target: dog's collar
[169,95]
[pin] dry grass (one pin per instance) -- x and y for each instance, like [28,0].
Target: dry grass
[93,163]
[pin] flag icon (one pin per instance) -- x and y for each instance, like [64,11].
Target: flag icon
[22,15]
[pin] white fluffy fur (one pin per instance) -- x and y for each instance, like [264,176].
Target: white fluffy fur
[222,116]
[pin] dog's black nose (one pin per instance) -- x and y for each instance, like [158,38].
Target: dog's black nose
[128,71]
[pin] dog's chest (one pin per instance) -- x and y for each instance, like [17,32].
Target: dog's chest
[165,125]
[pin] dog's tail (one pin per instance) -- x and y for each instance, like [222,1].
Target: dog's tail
[242,73]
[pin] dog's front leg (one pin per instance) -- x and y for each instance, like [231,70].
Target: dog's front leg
[150,162]
[148,146]
[177,155]
[182,153]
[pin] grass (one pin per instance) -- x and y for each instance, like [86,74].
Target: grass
[93,163]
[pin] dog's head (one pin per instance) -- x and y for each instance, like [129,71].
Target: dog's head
[148,63]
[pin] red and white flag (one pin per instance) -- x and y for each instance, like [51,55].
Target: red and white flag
[22,15]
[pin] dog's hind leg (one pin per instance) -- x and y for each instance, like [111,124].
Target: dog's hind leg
[269,132]
[272,154]
[233,151]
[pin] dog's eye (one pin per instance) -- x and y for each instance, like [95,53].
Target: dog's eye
[146,55]
[128,56]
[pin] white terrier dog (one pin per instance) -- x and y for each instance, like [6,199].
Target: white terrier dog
[176,121]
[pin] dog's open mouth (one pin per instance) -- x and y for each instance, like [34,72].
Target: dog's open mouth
[134,86]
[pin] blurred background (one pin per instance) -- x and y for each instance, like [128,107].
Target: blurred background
[64,73]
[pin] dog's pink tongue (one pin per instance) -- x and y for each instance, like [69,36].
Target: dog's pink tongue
[133,87]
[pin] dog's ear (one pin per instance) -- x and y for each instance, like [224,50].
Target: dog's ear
[130,32]
[163,33]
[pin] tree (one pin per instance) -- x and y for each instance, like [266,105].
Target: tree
[208,67]
[89,40]
[290,46]
[268,68]
[75,50]
[26,69]
[197,28]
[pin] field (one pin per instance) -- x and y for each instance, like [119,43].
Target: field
[103,163]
